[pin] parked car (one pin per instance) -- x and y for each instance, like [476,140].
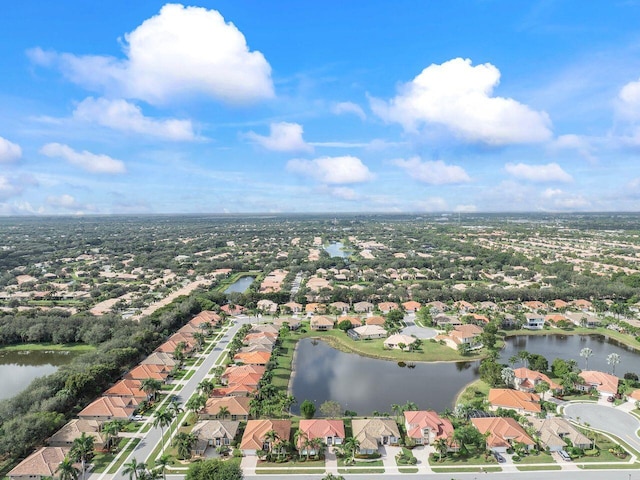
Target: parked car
[137,418]
[499,458]
[610,399]
[565,456]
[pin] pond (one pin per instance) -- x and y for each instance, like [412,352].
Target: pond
[240,285]
[336,250]
[364,384]
[19,369]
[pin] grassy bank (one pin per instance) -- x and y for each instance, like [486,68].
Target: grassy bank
[623,338]
[45,347]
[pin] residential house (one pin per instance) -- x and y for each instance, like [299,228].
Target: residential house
[321,323]
[144,371]
[160,358]
[583,319]
[363,307]
[127,388]
[355,321]
[464,307]
[559,304]
[425,427]
[265,328]
[254,437]
[74,429]
[386,307]
[375,320]
[252,358]
[394,341]
[206,316]
[467,333]
[534,305]
[267,306]
[555,319]
[521,402]
[311,308]
[533,321]
[367,332]
[489,306]
[373,432]
[232,309]
[213,433]
[41,464]
[583,305]
[291,323]
[554,431]
[340,306]
[442,321]
[293,306]
[437,307]
[238,408]
[504,432]
[331,432]
[108,408]
[526,380]
[604,383]
[238,371]
[411,306]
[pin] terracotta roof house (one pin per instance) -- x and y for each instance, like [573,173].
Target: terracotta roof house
[425,426]
[126,388]
[363,307]
[583,319]
[292,323]
[464,306]
[252,358]
[437,307]
[257,347]
[238,408]
[375,320]
[522,402]
[373,432]
[254,439]
[367,332]
[555,318]
[74,429]
[144,371]
[206,316]
[260,338]
[386,307]
[394,341]
[411,306]
[526,380]
[264,328]
[313,307]
[321,323]
[330,431]
[232,309]
[477,319]
[535,305]
[40,464]
[213,433]
[108,408]
[605,383]
[558,304]
[293,306]
[355,321]
[268,306]
[466,333]
[239,371]
[504,432]
[634,395]
[340,306]
[584,305]
[553,431]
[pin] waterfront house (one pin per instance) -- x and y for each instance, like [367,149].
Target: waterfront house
[213,433]
[320,323]
[108,408]
[41,464]
[252,358]
[521,402]
[467,333]
[425,427]
[331,432]
[373,432]
[526,380]
[255,438]
[504,433]
[74,429]
[394,341]
[367,332]
[533,321]
[605,383]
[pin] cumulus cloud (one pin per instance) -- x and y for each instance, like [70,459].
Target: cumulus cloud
[91,162]
[332,170]
[551,172]
[577,143]
[63,201]
[629,100]
[458,96]
[349,108]
[10,187]
[125,116]
[180,52]
[433,173]
[465,208]
[283,137]
[9,151]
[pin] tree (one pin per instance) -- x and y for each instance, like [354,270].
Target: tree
[345,325]
[111,430]
[66,470]
[331,476]
[271,437]
[397,409]
[214,470]
[200,339]
[150,386]
[184,442]
[307,409]
[508,376]
[350,447]
[464,349]
[175,409]
[223,412]
[331,409]
[162,463]
[196,403]
[82,451]
[586,353]
[442,447]
[162,419]
[133,468]
[490,372]
[613,359]
[523,355]
[205,387]
[538,362]
[542,388]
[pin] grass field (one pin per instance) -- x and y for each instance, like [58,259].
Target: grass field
[59,347]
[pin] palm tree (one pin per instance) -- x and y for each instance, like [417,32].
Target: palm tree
[162,419]
[205,387]
[161,463]
[542,388]
[223,412]
[397,409]
[301,441]
[410,407]
[175,409]
[111,430]
[150,386]
[441,447]
[613,359]
[318,446]
[199,338]
[351,446]
[82,450]
[66,470]
[586,353]
[271,437]
[133,468]
[524,356]
[184,442]
[196,403]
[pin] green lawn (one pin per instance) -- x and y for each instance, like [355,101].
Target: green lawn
[369,471]
[408,469]
[532,468]
[130,446]
[466,469]
[541,457]
[361,463]
[70,347]
[473,391]
[292,471]
[456,459]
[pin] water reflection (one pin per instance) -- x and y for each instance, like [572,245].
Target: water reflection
[240,285]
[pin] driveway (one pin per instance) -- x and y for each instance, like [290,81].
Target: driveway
[413,329]
[608,419]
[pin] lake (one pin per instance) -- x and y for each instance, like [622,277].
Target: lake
[364,384]
[19,369]
[240,285]
[336,250]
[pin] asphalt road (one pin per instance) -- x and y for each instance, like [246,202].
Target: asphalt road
[146,446]
[413,329]
[608,419]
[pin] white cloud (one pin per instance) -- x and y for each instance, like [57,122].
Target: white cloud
[433,173]
[432,204]
[551,172]
[457,95]
[332,170]
[125,116]
[577,143]
[181,52]
[9,151]
[283,137]
[344,193]
[66,202]
[629,100]
[349,107]
[10,187]
[88,161]
[465,208]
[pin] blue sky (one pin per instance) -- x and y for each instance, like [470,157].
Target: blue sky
[288,106]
